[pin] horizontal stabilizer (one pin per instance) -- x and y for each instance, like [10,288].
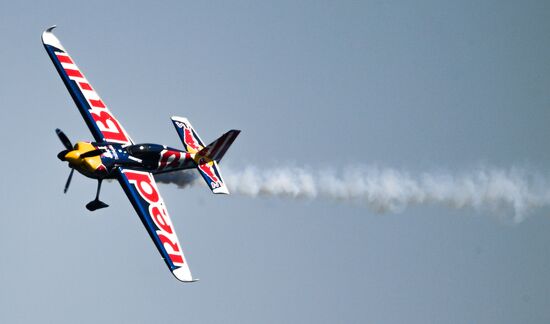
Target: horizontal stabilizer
[189,138]
[210,172]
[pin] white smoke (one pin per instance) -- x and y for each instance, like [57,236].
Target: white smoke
[389,190]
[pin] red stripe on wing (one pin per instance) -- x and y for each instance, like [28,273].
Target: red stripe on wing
[74,73]
[97,103]
[85,86]
[64,59]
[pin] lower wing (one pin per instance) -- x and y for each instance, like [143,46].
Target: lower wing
[142,190]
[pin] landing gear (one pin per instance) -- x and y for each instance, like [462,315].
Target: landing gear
[96,203]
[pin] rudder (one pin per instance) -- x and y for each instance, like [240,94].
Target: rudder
[217,149]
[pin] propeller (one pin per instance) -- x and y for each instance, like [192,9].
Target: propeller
[61,155]
[69,147]
[68,181]
[64,139]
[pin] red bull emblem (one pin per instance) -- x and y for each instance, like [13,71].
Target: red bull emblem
[190,140]
[208,170]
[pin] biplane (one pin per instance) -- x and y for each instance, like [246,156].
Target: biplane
[114,155]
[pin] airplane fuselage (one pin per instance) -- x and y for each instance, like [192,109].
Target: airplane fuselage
[148,157]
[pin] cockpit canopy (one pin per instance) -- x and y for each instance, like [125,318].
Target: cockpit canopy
[143,150]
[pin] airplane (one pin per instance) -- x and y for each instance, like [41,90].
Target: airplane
[114,155]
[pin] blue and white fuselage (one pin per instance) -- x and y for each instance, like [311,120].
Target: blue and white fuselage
[154,158]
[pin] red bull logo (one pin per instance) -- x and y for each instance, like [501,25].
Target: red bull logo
[190,141]
[145,186]
[169,159]
[110,128]
[108,125]
[207,168]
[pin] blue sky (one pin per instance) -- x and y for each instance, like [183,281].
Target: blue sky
[434,85]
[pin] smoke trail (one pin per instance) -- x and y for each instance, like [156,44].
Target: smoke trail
[389,190]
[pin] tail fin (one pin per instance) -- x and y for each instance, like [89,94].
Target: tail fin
[206,157]
[216,150]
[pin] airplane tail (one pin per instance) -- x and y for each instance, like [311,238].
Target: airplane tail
[206,157]
[216,150]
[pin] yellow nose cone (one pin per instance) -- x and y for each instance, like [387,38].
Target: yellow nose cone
[73,157]
[89,164]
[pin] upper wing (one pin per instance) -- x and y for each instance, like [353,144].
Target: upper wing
[100,121]
[141,189]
